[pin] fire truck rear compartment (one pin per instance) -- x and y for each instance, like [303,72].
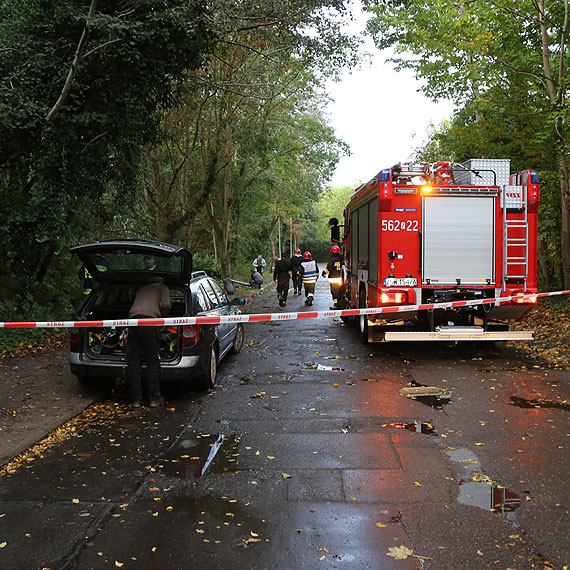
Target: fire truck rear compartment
[458,240]
[435,240]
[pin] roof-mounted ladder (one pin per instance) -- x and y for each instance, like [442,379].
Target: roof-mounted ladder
[515,235]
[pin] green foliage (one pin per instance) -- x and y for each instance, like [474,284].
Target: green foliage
[183,121]
[54,174]
[489,61]
[205,261]
[249,143]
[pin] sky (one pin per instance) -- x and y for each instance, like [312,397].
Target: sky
[380,114]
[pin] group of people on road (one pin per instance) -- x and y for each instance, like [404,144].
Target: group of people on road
[304,271]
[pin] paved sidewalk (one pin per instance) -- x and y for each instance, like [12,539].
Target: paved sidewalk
[38,393]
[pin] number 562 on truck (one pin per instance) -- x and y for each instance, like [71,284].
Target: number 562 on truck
[438,233]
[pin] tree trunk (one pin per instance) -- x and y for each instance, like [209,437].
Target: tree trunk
[565,218]
[271,240]
[554,91]
[545,270]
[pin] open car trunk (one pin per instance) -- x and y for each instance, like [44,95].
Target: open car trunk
[113,301]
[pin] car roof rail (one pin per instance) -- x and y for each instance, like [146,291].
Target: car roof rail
[199,274]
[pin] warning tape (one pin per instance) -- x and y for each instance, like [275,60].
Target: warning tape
[254,318]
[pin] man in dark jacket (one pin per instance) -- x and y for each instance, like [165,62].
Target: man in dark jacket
[151,302]
[296,261]
[333,272]
[256,279]
[281,277]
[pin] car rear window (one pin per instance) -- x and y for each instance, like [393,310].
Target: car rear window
[126,260]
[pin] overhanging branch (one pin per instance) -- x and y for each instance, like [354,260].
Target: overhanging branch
[50,117]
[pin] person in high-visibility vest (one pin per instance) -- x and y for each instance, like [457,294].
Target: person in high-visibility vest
[88,282]
[333,273]
[310,272]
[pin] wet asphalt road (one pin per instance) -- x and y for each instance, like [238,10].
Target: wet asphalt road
[307,456]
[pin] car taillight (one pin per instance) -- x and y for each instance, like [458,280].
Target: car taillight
[74,336]
[394,297]
[190,335]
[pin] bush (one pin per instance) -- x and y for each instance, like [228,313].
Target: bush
[202,261]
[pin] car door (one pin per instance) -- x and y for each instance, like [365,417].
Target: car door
[226,331]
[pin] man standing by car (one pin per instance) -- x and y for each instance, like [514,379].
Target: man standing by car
[151,301]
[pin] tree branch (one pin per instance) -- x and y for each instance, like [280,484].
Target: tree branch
[50,117]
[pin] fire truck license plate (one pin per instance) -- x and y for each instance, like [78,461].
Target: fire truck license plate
[400,282]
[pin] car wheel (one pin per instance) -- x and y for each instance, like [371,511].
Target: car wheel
[238,341]
[208,379]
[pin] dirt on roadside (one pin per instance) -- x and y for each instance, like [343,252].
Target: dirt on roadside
[37,394]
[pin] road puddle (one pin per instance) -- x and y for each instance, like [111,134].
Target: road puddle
[194,455]
[478,490]
[539,403]
[418,427]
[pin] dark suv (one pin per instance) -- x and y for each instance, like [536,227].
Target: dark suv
[187,352]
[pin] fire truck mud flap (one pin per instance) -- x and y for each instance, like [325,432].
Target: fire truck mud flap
[447,334]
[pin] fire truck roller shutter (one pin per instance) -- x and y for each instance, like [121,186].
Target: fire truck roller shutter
[363,235]
[373,237]
[354,244]
[458,240]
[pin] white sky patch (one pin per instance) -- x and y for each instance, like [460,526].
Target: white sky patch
[380,114]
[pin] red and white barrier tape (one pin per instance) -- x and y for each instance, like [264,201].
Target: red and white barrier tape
[254,318]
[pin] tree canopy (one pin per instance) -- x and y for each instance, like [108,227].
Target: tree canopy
[505,64]
[177,120]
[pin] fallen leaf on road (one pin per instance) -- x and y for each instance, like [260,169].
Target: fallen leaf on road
[417,484]
[3,544]
[399,552]
[380,525]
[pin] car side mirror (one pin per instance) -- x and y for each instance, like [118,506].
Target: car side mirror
[238,301]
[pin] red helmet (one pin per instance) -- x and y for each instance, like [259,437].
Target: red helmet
[297,251]
[307,255]
[335,249]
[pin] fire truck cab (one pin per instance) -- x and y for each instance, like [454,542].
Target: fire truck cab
[437,233]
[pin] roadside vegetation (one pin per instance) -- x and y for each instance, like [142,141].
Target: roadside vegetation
[204,124]
[200,124]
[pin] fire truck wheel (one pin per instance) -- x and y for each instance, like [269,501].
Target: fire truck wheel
[363,321]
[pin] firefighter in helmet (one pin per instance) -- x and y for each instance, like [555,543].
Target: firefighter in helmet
[296,261]
[333,272]
[281,277]
[310,272]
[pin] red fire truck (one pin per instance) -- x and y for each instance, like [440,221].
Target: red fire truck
[442,232]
